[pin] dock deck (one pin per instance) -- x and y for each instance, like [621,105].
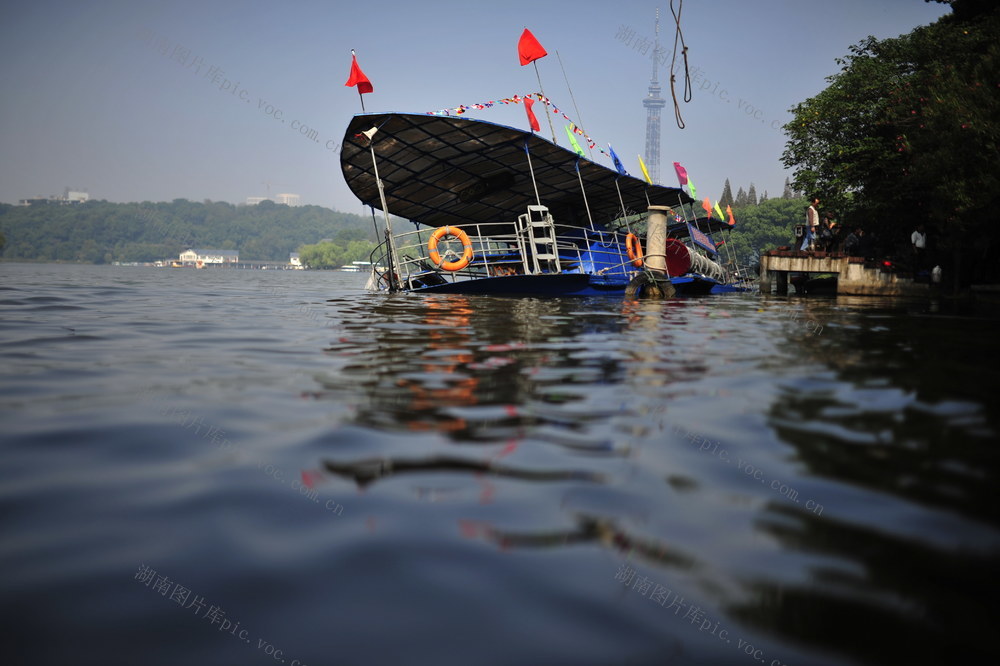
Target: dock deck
[853,275]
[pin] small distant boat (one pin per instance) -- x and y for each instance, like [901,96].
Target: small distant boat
[498,210]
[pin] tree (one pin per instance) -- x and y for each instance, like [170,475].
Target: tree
[907,133]
[741,198]
[328,254]
[788,192]
[763,197]
[727,195]
[764,227]
[99,231]
[752,195]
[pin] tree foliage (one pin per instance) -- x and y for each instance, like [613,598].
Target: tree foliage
[102,232]
[788,192]
[908,132]
[335,255]
[765,226]
[727,195]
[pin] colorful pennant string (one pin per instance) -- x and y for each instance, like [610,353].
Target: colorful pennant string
[517,99]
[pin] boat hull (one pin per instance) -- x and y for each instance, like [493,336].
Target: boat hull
[559,285]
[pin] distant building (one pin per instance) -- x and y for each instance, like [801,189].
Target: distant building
[209,257]
[294,260]
[69,197]
[287,199]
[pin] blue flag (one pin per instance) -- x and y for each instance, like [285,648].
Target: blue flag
[617,162]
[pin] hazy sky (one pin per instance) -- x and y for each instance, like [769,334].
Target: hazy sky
[118,98]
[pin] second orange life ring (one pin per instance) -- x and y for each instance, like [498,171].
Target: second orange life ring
[634,247]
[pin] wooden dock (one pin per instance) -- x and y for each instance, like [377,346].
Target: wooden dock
[853,275]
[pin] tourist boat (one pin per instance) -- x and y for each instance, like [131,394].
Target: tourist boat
[498,210]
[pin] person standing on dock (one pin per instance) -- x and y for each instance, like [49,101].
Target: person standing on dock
[812,225]
[852,243]
[919,241]
[866,244]
[826,235]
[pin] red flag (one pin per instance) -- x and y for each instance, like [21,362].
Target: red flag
[682,174]
[707,205]
[358,77]
[528,48]
[729,210]
[532,120]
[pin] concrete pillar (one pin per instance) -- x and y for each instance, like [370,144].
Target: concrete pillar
[765,276]
[781,277]
[656,239]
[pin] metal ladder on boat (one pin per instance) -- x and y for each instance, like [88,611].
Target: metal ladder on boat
[536,236]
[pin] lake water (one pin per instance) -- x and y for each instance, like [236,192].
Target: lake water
[246,467]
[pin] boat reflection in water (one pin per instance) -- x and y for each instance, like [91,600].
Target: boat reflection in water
[581,436]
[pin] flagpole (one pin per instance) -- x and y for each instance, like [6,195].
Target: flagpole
[532,170]
[391,249]
[360,96]
[583,190]
[572,97]
[545,101]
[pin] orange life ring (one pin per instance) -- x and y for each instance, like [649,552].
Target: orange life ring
[634,247]
[435,256]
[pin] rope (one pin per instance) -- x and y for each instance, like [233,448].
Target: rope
[679,38]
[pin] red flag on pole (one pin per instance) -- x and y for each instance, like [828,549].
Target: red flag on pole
[729,210]
[682,174]
[528,48]
[532,120]
[707,205]
[358,77]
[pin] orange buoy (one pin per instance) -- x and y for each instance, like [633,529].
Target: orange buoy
[634,248]
[435,256]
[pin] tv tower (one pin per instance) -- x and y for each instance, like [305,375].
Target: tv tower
[653,103]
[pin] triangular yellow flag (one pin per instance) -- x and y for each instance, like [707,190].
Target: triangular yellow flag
[718,212]
[645,173]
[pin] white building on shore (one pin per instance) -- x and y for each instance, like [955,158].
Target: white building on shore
[195,256]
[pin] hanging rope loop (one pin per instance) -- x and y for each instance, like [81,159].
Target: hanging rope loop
[679,40]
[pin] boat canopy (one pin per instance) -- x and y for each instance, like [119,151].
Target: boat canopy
[440,170]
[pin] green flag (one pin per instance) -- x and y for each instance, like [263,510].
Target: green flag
[573,142]
[694,192]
